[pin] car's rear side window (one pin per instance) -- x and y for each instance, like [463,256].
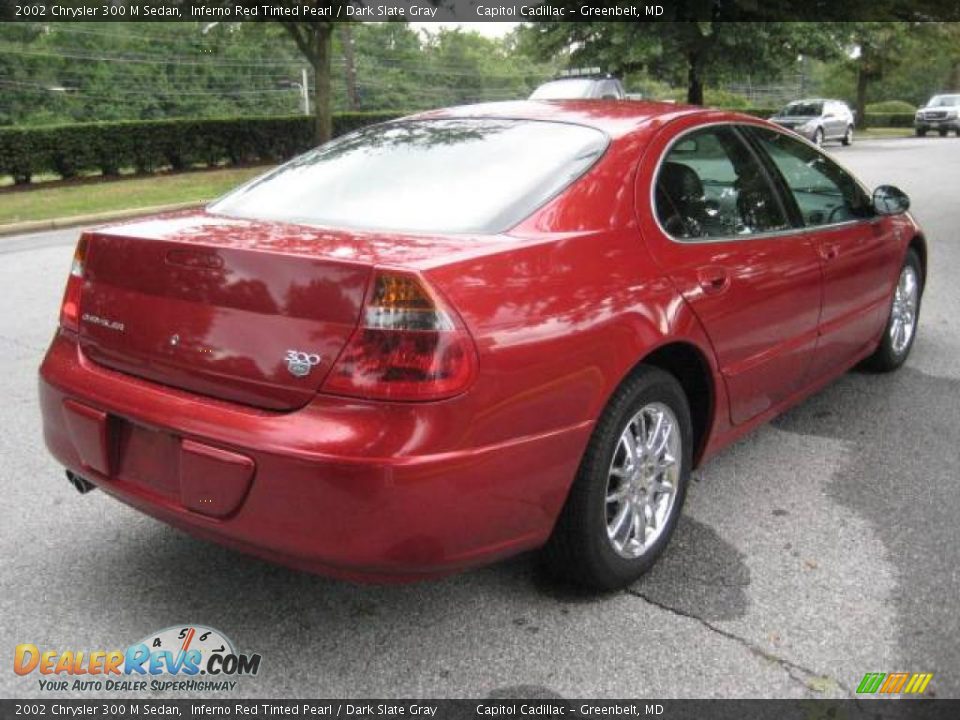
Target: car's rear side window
[710,185]
[464,175]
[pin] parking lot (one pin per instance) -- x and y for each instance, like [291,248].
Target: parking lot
[821,547]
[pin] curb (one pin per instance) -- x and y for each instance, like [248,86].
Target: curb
[33,226]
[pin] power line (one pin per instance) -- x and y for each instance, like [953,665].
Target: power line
[366,52]
[438,92]
[142,60]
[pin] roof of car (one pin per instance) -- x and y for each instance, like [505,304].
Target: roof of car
[614,117]
[816,100]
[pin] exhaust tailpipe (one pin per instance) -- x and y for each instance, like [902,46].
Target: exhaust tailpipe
[80,484]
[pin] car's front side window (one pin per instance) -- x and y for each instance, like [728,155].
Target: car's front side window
[709,185]
[825,193]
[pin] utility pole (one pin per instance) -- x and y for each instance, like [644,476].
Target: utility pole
[304,91]
[346,39]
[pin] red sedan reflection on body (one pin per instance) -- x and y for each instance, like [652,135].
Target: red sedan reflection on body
[447,339]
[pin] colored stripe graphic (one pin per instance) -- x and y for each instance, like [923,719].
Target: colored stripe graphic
[918,683]
[894,683]
[870,682]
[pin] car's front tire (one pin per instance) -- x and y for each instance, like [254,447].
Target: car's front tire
[901,328]
[629,491]
[943,132]
[818,137]
[921,132]
[848,136]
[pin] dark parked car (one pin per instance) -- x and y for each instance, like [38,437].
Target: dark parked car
[574,305]
[818,120]
[940,114]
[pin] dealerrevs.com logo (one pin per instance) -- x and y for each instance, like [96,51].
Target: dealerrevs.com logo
[185,658]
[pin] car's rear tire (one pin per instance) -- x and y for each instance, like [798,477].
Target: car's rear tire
[943,132]
[818,137]
[848,136]
[626,499]
[921,133]
[901,328]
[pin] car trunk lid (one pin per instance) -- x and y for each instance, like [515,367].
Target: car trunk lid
[242,311]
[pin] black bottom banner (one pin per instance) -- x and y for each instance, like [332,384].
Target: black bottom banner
[462,709]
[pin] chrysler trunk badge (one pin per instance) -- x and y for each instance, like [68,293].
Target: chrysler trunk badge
[300,363]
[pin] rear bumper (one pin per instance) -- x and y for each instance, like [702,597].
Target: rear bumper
[339,487]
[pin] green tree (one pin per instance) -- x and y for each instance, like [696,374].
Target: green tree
[314,39]
[877,47]
[684,48]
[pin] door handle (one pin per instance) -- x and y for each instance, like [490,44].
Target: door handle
[713,279]
[829,251]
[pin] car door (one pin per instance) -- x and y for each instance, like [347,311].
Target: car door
[718,229]
[858,251]
[831,120]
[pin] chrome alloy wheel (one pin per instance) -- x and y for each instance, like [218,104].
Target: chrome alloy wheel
[903,315]
[642,480]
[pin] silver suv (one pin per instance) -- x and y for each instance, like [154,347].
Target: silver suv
[939,114]
[818,120]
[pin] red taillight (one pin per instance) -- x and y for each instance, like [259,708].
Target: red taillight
[408,347]
[70,309]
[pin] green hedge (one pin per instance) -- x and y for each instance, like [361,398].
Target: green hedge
[108,147]
[890,119]
[147,145]
[756,112]
[891,106]
[874,119]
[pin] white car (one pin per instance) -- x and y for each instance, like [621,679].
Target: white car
[579,87]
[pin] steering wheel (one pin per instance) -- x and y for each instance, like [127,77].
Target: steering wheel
[833,212]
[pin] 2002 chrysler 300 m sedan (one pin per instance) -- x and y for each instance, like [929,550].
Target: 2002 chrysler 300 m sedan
[450,338]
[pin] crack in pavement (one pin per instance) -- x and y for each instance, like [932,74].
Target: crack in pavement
[796,672]
[13,342]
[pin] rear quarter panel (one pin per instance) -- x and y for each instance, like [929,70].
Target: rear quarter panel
[563,317]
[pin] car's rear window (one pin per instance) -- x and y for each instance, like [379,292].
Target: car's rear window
[429,176]
[803,109]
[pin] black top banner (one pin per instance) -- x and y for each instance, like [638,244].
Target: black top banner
[478,10]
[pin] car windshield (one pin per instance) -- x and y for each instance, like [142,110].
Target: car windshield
[944,101]
[563,90]
[453,175]
[803,109]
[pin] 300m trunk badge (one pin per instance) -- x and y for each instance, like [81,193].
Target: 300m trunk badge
[300,363]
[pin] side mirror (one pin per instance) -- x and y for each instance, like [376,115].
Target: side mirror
[890,200]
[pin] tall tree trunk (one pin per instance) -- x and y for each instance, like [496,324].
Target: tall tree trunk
[953,83]
[350,69]
[863,80]
[694,79]
[323,122]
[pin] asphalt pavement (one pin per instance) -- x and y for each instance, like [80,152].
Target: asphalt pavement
[821,547]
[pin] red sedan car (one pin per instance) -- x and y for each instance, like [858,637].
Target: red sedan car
[447,339]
